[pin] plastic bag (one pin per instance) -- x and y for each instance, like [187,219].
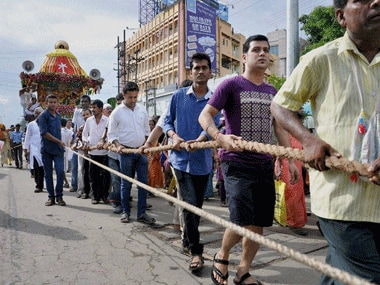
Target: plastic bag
[280,205]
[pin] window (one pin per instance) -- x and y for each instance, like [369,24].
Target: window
[274,50]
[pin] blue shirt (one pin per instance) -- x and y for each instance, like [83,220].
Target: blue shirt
[50,124]
[16,137]
[182,117]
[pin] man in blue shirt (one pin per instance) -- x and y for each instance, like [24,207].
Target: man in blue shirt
[52,150]
[191,168]
[16,143]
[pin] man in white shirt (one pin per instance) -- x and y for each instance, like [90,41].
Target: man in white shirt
[129,128]
[92,134]
[76,170]
[32,149]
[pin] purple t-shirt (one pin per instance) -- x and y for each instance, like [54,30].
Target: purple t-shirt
[247,114]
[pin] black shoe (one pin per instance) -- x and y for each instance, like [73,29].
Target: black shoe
[84,196]
[105,200]
[93,201]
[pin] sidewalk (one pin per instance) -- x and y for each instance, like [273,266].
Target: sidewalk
[86,244]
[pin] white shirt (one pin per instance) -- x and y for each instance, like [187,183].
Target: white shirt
[33,143]
[93,132]
[129,127]
[66,136]
[78,118]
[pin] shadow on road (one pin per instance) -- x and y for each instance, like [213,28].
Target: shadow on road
[34,227]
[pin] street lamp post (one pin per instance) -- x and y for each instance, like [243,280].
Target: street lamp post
[147,89]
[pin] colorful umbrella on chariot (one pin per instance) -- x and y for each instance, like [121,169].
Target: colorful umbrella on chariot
[61,74]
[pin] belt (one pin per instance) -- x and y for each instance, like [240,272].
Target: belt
[130,147]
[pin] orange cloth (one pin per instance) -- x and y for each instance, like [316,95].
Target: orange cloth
[294,194]
[155,175]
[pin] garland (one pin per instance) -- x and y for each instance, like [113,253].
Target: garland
[54,80]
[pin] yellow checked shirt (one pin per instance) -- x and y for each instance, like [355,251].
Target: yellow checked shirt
[325,76]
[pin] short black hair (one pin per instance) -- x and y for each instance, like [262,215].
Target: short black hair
[86,97]
[119,96]
[259,38]
[200,56]
[63,122]
[86,109]
[51,96]
[340,4]
[130,86]
[185,83]
[98,103]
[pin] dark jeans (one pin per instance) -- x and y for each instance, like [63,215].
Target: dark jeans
[99,178]
[129,165]
[48,160]
[74,171]
[192,189]
[353,247]
[17,153]
[38,174]
[116,181]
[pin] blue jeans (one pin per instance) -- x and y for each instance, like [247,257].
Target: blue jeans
[130,164]
[58,160]
[116,181]
[74,171]
[192,189]
[353,247]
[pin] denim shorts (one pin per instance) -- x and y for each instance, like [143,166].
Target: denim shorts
[353,247]
[250,192]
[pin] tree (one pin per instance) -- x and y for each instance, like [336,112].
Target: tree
[320,27]
[276,81]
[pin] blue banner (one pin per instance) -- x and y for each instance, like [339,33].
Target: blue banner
[200,31]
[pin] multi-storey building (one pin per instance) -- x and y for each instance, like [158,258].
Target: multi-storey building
[155,55]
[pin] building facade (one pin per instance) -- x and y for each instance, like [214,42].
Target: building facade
[154,56]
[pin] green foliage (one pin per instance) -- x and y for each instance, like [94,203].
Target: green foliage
[320,27]
[276,81]
[112,102]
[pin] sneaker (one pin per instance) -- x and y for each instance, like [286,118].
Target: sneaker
[93,201]
[66,185]
[50,202]
[105,200]
[72,189]
[145,218]
[61,202]
[118,210]
[124,218]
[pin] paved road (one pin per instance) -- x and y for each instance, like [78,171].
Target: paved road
[86,244]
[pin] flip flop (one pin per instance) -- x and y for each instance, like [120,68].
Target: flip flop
[245,276]
[217,271]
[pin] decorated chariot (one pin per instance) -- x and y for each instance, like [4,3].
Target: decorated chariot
[60,74]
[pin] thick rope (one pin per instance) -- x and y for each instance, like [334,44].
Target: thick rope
[341,164]
[334,273]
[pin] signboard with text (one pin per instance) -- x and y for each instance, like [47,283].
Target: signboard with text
[200,31]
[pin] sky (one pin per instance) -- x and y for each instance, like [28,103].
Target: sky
[30,29]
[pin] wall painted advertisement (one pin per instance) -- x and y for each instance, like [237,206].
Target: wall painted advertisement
[200,31]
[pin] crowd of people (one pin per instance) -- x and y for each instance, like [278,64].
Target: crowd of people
[348,209]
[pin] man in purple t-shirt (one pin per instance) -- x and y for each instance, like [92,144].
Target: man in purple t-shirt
[248,176]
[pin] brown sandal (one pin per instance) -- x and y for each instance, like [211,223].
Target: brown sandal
[196,266]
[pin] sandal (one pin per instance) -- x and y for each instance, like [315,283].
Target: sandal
[217,271]
[245,276]
[196,266]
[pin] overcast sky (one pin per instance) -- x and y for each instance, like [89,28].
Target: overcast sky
[30,29]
